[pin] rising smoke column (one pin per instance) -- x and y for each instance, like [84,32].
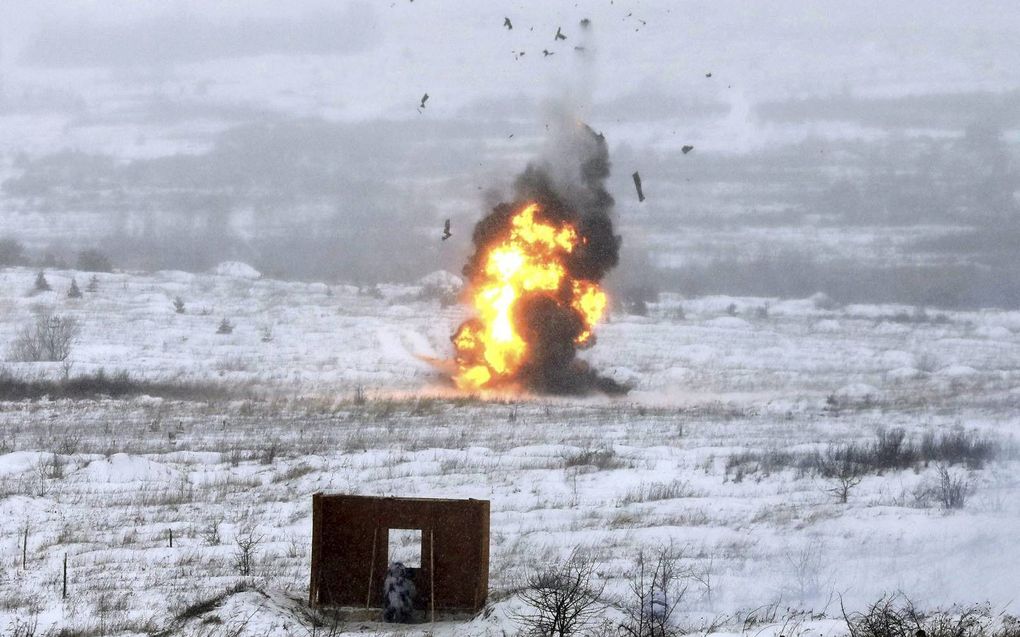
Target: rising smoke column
[535,271]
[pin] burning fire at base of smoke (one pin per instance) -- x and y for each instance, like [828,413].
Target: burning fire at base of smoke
[533,281]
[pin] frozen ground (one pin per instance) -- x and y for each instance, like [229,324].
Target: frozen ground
[105,481]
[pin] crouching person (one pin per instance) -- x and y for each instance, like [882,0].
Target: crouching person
[398,595]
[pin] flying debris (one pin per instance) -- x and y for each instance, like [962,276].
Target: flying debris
[708,75]
[637,186]
[585,23]
[547,52]
[559,35]
[509,25]
[518,54]
[686,149]
[579,49]
[424,98]
[446,230]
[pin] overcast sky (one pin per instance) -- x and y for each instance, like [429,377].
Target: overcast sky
[367,59]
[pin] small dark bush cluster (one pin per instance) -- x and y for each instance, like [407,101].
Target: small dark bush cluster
[890,450]
[767,462]
[99,383]
[602,459]
[897,616]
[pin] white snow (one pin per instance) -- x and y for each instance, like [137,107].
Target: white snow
[107,479]
[237,269]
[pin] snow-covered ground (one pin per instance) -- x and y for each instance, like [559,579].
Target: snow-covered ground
[105,481]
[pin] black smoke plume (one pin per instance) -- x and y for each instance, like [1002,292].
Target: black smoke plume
[569,189]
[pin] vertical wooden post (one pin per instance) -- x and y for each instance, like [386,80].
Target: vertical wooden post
[432,573]
[313,583]
[371,567]
[64,593]
[24,549]
[171,538]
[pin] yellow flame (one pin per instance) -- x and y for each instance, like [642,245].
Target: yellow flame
[528,259]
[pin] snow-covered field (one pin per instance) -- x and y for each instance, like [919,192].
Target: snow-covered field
[728,393]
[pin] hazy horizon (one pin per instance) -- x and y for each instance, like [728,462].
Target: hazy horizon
[868,136]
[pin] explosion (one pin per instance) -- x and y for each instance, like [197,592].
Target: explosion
[533,282]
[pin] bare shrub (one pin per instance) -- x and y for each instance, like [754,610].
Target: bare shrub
[953,487]
[268,453]
[897,616]
[359,395]
[50,338]
[211,534]
[178,305]
[23,627]
[843,472]
[657,586]
[247,541]
[562,600]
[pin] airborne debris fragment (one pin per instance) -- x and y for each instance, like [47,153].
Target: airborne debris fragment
[424,98]
[687,148]
[585,23]
[509,25]
[708,74]
[559,35]
[446,228]
[637,186]
[547,52]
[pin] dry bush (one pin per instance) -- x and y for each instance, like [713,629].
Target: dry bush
[247,541]
[50,339]
[844,473]
[562,600]
[897,616]
[603,459]
[657,586]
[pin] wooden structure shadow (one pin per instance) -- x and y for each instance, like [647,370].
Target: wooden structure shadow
[350,551]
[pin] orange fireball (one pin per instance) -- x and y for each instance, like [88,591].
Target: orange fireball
[529,258]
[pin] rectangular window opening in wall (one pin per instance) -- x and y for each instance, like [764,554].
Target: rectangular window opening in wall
[405,547]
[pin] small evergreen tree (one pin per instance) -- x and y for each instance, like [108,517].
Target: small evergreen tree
[93,284]
[74,292]
[41,284]
[178,305]
[226,327]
